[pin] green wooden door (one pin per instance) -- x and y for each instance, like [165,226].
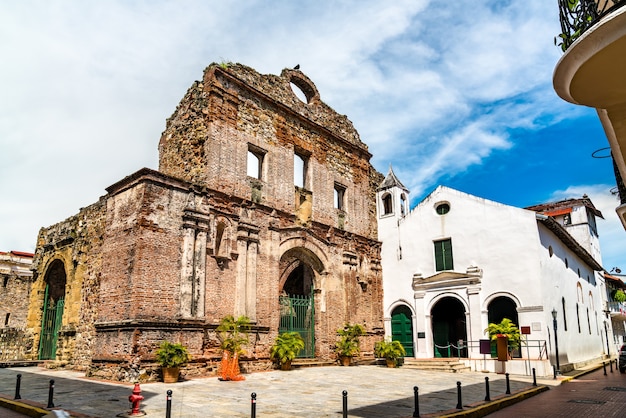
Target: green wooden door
[50,325]
[402,329]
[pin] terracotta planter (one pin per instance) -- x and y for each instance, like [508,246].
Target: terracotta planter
[286,365]
[391,363]
[170,374]
[345,360]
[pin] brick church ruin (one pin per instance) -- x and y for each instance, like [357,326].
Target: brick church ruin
[261,201]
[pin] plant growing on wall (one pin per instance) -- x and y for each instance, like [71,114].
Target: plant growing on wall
[233,334]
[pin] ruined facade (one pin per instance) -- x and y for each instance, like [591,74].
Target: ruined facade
[262,202]
[16,279]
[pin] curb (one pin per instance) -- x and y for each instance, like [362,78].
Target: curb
[486,408]
[23,408]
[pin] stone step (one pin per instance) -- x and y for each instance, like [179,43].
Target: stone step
[311,362]
[447,365]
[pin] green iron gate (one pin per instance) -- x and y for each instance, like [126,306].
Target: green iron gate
[50,325]
[297,315]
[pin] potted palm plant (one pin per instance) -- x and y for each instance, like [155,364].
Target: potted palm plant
[505,328]
[286,347]
[390,350]
[233,334]
[171,356]
[348,344]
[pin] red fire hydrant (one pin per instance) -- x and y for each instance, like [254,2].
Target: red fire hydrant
[135,399]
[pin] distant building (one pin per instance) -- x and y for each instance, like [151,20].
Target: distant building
[16,279]
[262,200]
[591,71]
[457,262]
[616,309]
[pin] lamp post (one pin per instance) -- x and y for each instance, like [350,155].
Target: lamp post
[556,341]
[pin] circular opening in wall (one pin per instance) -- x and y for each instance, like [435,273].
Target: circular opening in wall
[442,208]
[299,93]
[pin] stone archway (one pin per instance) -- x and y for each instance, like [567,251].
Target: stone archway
[449,328]
[53,306]
[299,268]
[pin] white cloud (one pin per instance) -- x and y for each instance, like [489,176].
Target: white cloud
[87,86]
[610,229]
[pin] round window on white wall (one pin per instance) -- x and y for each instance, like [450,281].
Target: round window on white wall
[442,208]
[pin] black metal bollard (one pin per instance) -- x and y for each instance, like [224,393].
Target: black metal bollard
[534,377]
[51,394]
[345,403]
[168,404]
[253,405]
[604,367]
[508,384]
[18,383]
[416,412]
[554,370]
[459,402]
[611,364]
[487,396]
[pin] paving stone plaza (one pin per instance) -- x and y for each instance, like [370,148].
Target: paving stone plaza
[372,391]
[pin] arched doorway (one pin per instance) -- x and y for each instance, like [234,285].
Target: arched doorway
[402,328]
[53,303]
[449,328]
[296,300]
[499,308]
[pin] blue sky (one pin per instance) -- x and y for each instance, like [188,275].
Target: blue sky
[460,96]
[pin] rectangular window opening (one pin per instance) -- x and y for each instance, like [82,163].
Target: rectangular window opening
[443,255]
[299,170]
[255,163]
[340,192]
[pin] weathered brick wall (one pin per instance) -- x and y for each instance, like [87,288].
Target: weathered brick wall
[76,243]
[165,255]
[207,138]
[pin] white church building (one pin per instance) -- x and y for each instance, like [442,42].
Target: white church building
[457,262]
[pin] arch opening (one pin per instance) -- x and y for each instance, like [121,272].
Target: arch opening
[53,305]
[449,328]
[402,328]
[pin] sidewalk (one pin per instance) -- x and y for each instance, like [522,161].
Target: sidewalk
[373,391]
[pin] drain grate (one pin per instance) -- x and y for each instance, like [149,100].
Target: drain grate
[615,388]
[587,401]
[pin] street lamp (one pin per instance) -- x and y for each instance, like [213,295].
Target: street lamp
[556,341]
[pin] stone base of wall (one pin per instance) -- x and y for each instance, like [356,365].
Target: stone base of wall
[15,344]
[151,372]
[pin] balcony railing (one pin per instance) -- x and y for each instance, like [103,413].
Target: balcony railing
[617,308]
[577,16]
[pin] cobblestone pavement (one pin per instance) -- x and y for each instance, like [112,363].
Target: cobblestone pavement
[372,391]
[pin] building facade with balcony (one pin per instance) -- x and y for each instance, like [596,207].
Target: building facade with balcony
[616,308]
[592,71]
[456,263]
